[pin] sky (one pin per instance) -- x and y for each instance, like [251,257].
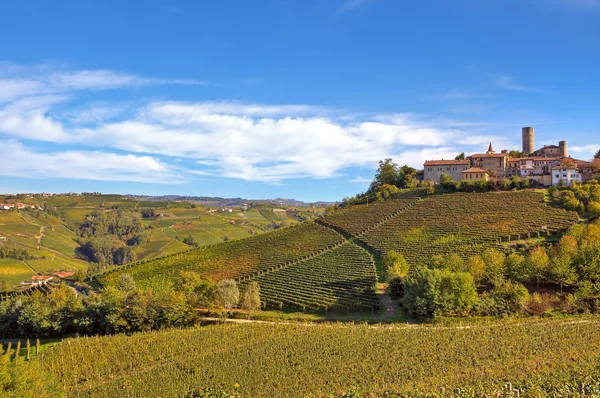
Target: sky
[290,98]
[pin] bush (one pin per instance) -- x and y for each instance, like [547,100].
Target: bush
[395,265]
[432,292]
[508,298]
[396,288]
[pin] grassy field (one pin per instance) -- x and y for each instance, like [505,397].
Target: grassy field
[13,272]
[538,357]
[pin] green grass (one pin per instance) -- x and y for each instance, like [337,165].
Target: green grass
[14,272]
[75,215]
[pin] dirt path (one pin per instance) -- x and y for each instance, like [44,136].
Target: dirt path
[389,306]
[40,236]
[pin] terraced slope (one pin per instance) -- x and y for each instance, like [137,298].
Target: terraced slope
[342,279]
[466,224]
[358,219]
[236,259]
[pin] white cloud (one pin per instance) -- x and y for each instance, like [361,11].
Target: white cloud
[253,142]
[585,151]
[19,161]
[361,180]
[18,81]
[508,83]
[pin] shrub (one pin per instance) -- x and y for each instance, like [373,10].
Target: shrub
[433,292]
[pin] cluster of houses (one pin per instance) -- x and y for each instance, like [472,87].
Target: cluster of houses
[18,206]
[39,280]
[549,165]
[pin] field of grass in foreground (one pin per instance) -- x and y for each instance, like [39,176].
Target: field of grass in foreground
[539,357]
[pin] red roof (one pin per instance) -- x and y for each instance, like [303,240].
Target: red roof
[446,162]
[489,155]
[475,170]
[64,274]
[40,277]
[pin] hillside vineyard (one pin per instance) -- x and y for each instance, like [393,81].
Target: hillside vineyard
[328,360]
[342,279]
[315,266]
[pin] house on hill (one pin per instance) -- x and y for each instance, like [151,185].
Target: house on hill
[475,173]
[565,174]
[435,168]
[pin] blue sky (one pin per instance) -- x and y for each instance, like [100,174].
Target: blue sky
[283,98]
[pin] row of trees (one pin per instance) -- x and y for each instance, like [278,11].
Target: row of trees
[121,309]
[446,285]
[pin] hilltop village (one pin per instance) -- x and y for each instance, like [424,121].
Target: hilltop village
[549,165]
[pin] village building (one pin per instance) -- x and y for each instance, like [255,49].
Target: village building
[454,168]
[565,174]
[537,165]
[475,173]
[496,163]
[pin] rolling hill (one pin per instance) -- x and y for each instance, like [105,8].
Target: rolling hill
[318,266]
[49,237]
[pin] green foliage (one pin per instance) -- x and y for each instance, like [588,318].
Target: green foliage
[251,298]
[26,379]
[516,268]
[460,157]
[495,267]
[389,173]
[505,298]
[433,292]
[227,294]
[190,241]
[538,263]
[395,265]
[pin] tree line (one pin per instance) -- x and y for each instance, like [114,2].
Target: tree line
[125,308]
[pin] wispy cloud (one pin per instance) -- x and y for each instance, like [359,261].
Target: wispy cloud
[464,95]
[350,5]
[22,81]
[361,180]
[255,142]
[20,161]
[508,83]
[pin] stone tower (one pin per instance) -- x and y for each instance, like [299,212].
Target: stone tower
[528,140]
[563,149]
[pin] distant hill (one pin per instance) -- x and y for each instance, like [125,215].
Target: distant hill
[227,202]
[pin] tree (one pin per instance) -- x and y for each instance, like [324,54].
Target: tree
[597,155]
[476,267]
[395,265]
[251,298]
[127,283]
[445,180]
[460,157]
[593,210]
[516,268]
[538,262]
[124,255]
[433,292]
[190,240]
[387,173]
[227,295]
[495,267]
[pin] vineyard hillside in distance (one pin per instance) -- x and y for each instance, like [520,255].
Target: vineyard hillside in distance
[319,266]
[460,223]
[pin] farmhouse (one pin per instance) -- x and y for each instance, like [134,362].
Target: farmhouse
[538,165]
[475,173]
[454,168]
